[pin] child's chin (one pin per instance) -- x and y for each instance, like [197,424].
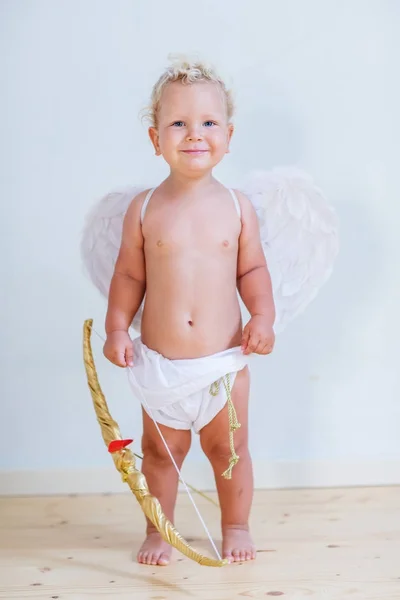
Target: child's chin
[196,159]
[201,163]
[197,166]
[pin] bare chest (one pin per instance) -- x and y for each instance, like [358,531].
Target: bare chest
[196,231]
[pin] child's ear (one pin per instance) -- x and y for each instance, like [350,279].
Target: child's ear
[153,134]
[231,129]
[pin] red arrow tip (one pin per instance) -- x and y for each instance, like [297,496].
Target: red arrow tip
[117,445]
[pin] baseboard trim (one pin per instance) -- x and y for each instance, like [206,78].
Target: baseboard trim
[268,475]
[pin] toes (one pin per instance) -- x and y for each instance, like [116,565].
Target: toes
[150,558]
[163,560]
[142,557]
[228,555]
[236,555]
[153,559]
[250,554]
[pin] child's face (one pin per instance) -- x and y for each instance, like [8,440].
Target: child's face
[193,132]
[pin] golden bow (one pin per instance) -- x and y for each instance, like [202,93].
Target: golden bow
[125,463]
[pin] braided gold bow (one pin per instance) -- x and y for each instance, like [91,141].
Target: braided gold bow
[124,461]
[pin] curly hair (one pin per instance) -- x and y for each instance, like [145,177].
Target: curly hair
[188,70]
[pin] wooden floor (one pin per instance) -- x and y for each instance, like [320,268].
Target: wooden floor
[322,544]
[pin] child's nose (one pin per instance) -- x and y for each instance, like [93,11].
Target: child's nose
[194,135]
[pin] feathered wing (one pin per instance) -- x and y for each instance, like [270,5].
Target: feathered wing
[299,234]
[101,239]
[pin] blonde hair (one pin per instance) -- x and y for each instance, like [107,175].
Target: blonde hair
[187,70]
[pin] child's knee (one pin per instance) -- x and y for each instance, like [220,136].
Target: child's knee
[218,450]
[154,448]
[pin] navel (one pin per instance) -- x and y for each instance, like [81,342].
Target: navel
[159,243]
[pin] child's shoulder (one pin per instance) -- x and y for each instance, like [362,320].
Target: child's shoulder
[134,213]
[137,202]
[240,196]
[244,201]
[139,197]
[248,215]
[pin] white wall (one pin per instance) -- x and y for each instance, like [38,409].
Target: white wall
[316,86]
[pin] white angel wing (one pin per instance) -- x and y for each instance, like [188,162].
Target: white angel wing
[101,239]
[299,233]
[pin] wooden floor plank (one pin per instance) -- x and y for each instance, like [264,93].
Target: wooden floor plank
[321,544]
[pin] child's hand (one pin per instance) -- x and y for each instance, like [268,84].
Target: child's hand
[258,336]
[119,348]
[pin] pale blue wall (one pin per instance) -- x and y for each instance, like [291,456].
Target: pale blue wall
[317,85]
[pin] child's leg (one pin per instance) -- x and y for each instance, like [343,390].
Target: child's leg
[236,494]
[162,480]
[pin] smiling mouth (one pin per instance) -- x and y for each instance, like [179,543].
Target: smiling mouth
[194,151]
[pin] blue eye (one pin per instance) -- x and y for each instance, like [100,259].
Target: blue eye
[209,123]
[178,124]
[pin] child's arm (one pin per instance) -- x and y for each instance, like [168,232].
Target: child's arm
[127,288]
[254,284]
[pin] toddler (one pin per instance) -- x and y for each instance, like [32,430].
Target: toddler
[187,248]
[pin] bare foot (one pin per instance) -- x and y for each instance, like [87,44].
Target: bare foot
[154,551]
[237,544]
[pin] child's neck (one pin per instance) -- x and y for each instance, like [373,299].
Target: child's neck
[184,182]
